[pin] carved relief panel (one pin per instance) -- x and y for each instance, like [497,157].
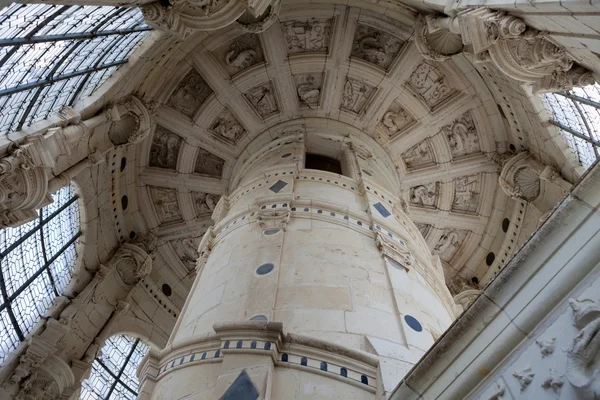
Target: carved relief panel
[242,52]
[308,89]
[166,204]
[430,84]
[462,136]
[356,94]
[449,242]
[425,195]
[375,46]
[191,92]
[423,229]
[466,194]
[311,35]
[204,203]
[187,250]
[208,164]
[227,126]
[395,120]
[165,148]
[418,156]
[262,98]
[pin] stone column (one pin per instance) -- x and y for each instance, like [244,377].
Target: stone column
[310,284]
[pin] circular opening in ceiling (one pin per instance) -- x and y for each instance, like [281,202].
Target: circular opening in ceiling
[265,269]
[166,289]
[131,235]
[475,280]
[123,163]
[512,148]
[124,202]
[259,318]
[505,224]
[413,323]
[489,259]
[286,155]
[270,232]
[366,172]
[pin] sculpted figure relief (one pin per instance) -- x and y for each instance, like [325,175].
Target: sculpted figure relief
[424,195]
[187,251]
[165,148]
[449,242]
[167,205]
[375,46]
[466,196]
[262,99]
[310,35]
[205,202]
[208,164]
[242,52]
[190,93]
[308,88]
[462,136]
[395,120]
[418,155]
[356,94]
[228,126]
[431,84]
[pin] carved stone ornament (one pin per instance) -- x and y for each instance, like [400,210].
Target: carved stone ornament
[191,92]
[308,88]
[449,242]
[208,164]
[131,122]
[356,94]
[498,392]
[431,84]
[187,251]
[375,46]
[132,263]
[424,195]
[204,250]
[521,53]
[462,136]
[524,376]
[259,23]
[395,120]
[273,219]
[546,346]
[221,209]
[520,177]
[166,203]
[184,17]
[554,380]
[583,368]
[165,148]
[242,52]
[227,126]
[24,176]
[419,155]
[466,194]
[391,250]
[204,203]
[311,35]
[262,98]
[49,381]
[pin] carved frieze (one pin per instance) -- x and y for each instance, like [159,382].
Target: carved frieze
[462,136]
[187,250]
[466,194]
[227,126]
[375,46]
[204,203]
[241,53]
[310,35]
[165,148]
[395,120]
[431,84]
[166,204]
[420,155]
[263,100]
[308,88]
[449,242]
[191,92]
[355,95]
[425,195]
[208,164]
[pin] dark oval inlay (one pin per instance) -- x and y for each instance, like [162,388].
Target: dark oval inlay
[505,224]
[166,289]
[270,232]
[259,318]
[124,202]
[489,259]
[265,269]
[413,323]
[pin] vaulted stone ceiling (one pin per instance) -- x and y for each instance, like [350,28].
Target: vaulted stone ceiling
[446,126]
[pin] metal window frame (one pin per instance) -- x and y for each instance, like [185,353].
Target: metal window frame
[42,222]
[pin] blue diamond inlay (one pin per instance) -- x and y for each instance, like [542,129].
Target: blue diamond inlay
[382,210]
[241,389]
[277,186]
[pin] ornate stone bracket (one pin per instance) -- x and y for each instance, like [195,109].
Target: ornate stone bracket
[391,250]
[221,209]
[522,53]
[185,17]
[273,219]
[204,249]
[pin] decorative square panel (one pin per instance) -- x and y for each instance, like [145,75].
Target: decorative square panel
[166,204]
[395,120]
[262,98]
[466,194]
[431,84]
[310,35]
[308,89]
[462,136]
[204,203]
[278,186]
[375,46]
[191,92]
[356,94]
[187,250]
[241,53]
[227,126]
[208,164]
[449,242]
[420,155]
[165,148]
[423,229]
[424,195]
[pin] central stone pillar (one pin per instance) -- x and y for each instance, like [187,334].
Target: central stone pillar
[311,284]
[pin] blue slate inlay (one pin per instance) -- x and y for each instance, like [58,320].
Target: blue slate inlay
[203,356]
[382,210]
[181,361]
[253,344]
[226,345]
[270,232]
[259,318]
[173,364]
[284,357]
[364,379]
[413,323]
[304,361]
[239,344]
[265,269]
[344,372]
[277,186]
[192,357]
[241,389]
[268,346]
[323,366]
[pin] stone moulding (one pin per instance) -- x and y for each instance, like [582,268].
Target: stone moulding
[522,53]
